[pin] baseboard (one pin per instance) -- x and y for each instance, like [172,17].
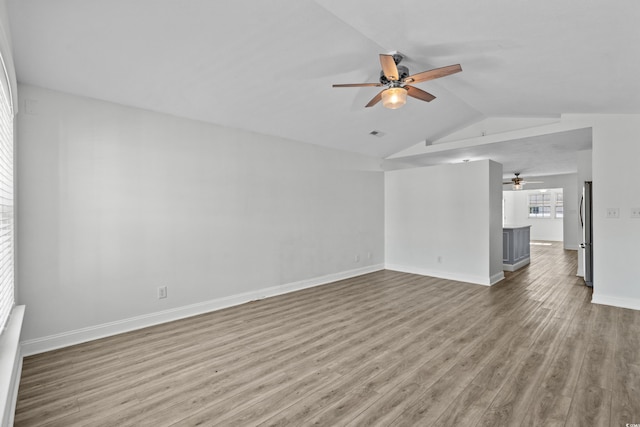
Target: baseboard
[10,364]
[498,277]
[78,336]
[632,303]
[517,265]
[477,280]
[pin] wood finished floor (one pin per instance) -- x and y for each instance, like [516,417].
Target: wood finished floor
[385,348]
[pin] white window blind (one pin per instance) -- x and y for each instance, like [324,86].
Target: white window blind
[6,198]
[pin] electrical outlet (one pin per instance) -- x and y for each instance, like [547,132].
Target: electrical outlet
[439,259]
[162,292]
[356,258]
[369,255]
[635,212]
[613,213]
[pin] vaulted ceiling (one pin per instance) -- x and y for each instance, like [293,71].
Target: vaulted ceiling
[268,66]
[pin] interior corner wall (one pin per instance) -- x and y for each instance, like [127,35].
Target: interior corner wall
[437,221]
[615,155]
[115,202]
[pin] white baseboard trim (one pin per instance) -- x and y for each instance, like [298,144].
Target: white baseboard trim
[477,280]
[517,265]
[10,364]
[78,336]
[632,303]
[498,277]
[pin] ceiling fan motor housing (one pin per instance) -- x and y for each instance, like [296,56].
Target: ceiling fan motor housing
[403,72]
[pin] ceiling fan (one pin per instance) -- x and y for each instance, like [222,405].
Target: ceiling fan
[396,81]
[518,182]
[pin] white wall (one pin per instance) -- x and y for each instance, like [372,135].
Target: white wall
[115,202]
[517,213]
[495,222]
[445,221]
[615,157]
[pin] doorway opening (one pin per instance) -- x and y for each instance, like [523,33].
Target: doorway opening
[541,209]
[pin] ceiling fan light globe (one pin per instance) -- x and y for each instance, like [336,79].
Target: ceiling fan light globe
[394,97]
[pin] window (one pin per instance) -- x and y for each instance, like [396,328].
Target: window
[540,205]
[559,209]
[6,198]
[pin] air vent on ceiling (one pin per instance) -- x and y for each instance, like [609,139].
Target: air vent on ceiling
[377,133]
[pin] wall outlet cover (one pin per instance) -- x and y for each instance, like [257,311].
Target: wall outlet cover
[613,213]
[162,292]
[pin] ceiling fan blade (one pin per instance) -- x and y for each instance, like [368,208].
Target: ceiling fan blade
[419,94]
[375,99]
[532,182]
[389,67]
[436,73]
[359,85]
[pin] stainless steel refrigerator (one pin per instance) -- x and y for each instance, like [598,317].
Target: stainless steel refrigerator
[586,218]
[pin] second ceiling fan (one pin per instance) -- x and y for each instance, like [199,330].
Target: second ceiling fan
[518,183]
[396,80]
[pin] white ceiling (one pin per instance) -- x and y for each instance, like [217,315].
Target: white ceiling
[267,66]
[540,155]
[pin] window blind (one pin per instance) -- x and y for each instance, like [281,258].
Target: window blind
[6,199]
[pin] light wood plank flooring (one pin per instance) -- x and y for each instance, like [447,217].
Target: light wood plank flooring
[386,348]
